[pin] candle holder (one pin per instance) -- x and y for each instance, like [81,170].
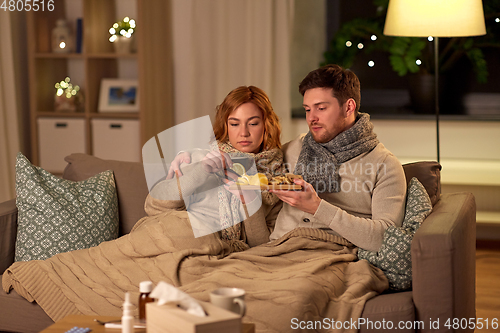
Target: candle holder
[61,38]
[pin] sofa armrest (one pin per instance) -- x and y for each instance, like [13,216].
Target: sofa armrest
[444,262]
[8,232]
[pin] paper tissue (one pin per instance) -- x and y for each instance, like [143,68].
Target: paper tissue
[176,311]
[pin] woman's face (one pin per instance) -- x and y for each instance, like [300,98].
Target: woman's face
[245,128]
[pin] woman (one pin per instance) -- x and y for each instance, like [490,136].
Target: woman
[161,246]
[245,127]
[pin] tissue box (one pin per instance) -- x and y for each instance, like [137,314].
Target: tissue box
[170,318]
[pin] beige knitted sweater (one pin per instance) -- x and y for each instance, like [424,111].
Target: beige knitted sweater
[372,198]
[196,192]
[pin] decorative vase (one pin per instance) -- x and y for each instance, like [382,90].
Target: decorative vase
[123,45]
[61,38]
[422,93]
[63,103]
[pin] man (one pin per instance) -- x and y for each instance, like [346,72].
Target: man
[354,187]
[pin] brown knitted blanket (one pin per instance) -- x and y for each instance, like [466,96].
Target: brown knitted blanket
[307,274]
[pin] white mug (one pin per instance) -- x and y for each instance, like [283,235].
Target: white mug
[231,299]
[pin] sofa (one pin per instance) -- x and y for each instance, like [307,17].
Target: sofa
[442,252]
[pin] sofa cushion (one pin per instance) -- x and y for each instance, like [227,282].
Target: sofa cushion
[57,215]
[130,184]
[396,310]
[429,174]
[394,256]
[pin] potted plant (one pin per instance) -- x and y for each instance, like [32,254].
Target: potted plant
[414,56]
[121,34]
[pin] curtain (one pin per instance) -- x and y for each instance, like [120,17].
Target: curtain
[222,44]
[9,130]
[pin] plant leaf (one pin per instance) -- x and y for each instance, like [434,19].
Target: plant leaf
[411,63]
[399,46]
[398,64]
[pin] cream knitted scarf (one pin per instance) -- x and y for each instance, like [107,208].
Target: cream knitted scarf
[268,162]
[319,163]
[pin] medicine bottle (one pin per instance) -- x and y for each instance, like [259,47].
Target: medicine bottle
[127,317]
[145,288]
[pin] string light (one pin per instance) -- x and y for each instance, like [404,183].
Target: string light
[373,37]
[66,88]
[371,63]
[497,20]
[360,46]
[123,28]
[348,43]
[418,62]
[430,38]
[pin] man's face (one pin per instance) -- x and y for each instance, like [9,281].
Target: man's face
[325,117]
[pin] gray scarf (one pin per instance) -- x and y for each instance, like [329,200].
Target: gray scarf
[319,163]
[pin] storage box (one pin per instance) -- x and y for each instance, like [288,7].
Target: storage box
[172,319]
[58,138]
[116,139]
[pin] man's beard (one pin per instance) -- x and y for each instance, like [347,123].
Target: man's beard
[322,136]
[326,135]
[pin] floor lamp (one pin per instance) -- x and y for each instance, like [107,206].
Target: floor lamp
[436,18]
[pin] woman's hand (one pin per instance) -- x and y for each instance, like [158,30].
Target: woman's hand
[306,200]
[245,196]
[215,161]
[175,166]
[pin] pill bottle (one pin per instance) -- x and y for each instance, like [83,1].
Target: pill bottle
[145,288]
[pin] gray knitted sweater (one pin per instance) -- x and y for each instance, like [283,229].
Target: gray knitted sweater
[199,197]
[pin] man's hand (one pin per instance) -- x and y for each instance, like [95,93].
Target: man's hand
[306,200]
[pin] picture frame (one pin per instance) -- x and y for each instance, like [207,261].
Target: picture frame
[119,95]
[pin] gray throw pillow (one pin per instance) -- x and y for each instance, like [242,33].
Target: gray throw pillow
[394,256]
[57,215]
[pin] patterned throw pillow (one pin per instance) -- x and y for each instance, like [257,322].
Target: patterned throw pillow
[394,256]
[57,215]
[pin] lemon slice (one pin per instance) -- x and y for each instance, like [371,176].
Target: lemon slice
[242,181]
[257,179]
[262,179]
[254,180]
[250,179]
[239,168]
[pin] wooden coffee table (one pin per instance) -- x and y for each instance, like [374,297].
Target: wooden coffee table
[71,321]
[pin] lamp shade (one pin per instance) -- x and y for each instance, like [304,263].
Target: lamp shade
[438,18]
